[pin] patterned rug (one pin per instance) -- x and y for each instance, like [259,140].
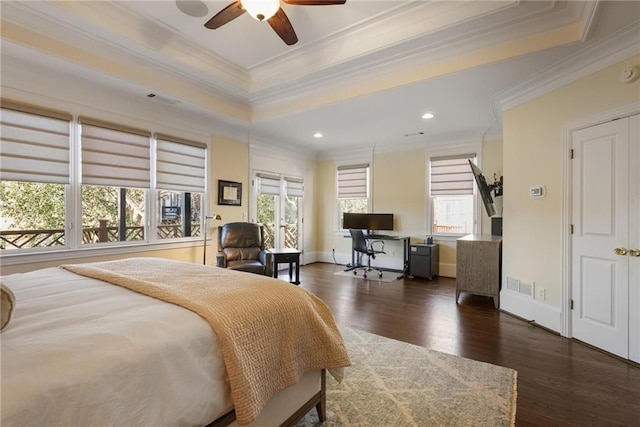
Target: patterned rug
[391,383]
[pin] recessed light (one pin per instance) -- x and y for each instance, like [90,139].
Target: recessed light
[427,116]
[317,135]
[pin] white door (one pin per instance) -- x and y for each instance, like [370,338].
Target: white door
[278,208]
[602,208]
[634,238]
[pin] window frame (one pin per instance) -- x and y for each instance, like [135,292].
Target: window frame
[458,150]
[74,248]
[182,189]
[369,185]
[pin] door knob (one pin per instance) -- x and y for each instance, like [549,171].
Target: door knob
[620,251]
[634,252]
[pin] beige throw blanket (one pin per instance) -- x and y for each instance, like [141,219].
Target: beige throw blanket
[270,332]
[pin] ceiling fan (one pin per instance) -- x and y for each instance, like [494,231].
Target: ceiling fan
[269,10]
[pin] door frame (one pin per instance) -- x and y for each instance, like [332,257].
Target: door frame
[567,201]
[279,210]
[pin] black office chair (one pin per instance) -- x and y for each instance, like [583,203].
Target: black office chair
[360,244]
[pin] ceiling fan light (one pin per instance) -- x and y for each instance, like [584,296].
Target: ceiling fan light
[261,10]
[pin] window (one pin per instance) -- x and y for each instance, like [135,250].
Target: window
[112,214]
[180,180]
[292,211]
[451,195]
[353,190]
[113,181]
[279,209]
[268,206]
[116,171]
[35,177]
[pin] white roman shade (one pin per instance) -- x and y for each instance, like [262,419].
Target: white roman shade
[352,181]
[451,175]
[115,155]
[268,184]
[34,144]
[295,187]
[180,165]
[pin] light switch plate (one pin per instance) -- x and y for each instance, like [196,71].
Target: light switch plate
[537,191]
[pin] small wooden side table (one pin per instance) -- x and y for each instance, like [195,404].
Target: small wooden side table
[292,256]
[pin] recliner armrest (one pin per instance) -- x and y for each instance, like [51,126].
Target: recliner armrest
[221,260]
[266,258]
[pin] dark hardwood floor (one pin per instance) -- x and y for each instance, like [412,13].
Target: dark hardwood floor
[561,382]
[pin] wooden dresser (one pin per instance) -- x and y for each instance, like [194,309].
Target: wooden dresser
[479,266]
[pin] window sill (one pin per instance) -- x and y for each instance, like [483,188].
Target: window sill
[448,237]
[88,252]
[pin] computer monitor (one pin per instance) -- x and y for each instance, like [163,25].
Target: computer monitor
[368,221]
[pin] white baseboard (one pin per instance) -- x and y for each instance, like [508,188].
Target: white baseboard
[381,261]
[543,314]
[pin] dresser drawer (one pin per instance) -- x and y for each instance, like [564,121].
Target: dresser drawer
[417,249]
[287,257]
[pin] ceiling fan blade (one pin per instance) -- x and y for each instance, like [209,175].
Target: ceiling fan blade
[227,14]
[282,26]
[314,2]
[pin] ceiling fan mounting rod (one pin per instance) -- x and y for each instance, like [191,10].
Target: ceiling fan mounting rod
[261,9]
[268,10]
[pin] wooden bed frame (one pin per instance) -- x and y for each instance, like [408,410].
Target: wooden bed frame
[318,400]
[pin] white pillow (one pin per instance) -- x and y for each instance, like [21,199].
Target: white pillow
[8,301]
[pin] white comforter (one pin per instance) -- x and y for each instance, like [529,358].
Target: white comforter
[81,352]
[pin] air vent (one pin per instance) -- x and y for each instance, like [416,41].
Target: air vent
[414,134]
[526,289]
[163,99]
[522,288]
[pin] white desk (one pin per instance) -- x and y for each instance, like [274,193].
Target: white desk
[384,238]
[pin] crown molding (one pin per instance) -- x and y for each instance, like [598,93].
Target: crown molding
[403,23]
[588,18]
[259,149]
[363,61]
[116,22]
[588,60]
[346,155]
[57,89]
[414,60]
[425,142]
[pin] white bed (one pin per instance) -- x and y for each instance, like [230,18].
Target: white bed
[80,351]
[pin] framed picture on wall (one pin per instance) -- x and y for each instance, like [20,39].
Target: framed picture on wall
[229,193]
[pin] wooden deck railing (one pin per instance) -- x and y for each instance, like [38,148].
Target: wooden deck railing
[454,229]
[290,236]
[17,239]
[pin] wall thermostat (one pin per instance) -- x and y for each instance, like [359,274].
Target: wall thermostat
[537,191]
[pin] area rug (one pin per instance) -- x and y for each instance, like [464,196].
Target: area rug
[391,383]
[387,276]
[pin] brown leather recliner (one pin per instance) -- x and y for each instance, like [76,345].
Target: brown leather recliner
[241,247]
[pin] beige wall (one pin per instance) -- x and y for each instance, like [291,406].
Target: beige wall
[309,210]
[533,139]
[328,237]
[193,254]
[399,187]
[229,161]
